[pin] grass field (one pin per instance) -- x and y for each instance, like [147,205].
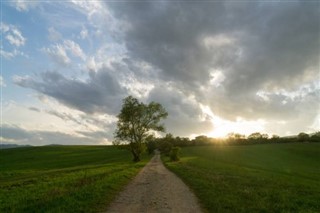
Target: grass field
[63,178]
[256,178]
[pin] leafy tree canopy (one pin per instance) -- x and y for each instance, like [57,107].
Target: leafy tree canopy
[136,119]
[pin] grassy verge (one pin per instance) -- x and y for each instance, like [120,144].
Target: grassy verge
[258,178]
[63,178]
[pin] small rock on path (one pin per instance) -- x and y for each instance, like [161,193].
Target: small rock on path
[155,189]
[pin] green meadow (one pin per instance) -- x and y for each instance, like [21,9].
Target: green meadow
[247,178]
[63,178]
[253,178]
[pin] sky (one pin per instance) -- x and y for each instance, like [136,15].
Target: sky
[216,67]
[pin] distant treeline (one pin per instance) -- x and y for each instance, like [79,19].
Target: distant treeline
[165,144]
[10,146]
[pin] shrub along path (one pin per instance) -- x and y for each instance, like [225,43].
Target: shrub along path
[155,189]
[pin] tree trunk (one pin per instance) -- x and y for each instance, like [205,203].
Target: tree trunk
[136,155]
[136,158]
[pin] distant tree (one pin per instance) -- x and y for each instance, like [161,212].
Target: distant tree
[235,136]
[151,144]
[275,137]
[255,136]
[264,136]
[315,137]
[201,140]
[135,121]
[166,144]
[302,137]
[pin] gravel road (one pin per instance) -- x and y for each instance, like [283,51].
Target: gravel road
[155,189]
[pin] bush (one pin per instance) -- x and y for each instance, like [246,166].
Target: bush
[174,153]
[165,148]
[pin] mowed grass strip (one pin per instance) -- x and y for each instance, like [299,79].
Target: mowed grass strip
[253,178]
[63,178]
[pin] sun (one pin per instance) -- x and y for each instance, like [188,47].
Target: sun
[221,127]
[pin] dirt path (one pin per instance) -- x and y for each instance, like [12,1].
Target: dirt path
[155,189]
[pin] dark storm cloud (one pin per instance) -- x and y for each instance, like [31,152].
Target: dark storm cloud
[166,35]
[272,45]
[280,42]
[100,93]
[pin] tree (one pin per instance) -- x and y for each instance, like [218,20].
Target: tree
[303,137]
[275,137]
[255,136]
[166,143]
[151,143]
[235,136]
[315,137]
[135,121]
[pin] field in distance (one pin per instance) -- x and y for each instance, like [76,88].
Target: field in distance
[253,178]
[63,178]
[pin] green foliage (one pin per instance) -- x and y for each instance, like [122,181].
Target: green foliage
[257,136]
[315,137]
[151,144]
[303,137]
[63,178]
[235,136]
[136,119]
[165,147]
[261,178]
[174,153]
[165,144]
[201,140]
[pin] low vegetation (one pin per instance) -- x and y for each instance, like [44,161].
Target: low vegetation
[63,178]
[256,178]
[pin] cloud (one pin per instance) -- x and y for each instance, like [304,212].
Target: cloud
[15,40]
[74,49]
[59,52]
[254,64]
[185,114]
[97,135]
[35,109]
[9,55]
[14,133]
[84,33]
[12,34]
[66,117]
[17,135]
[54,35]
[223,53]
[22,5]
[101,93]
